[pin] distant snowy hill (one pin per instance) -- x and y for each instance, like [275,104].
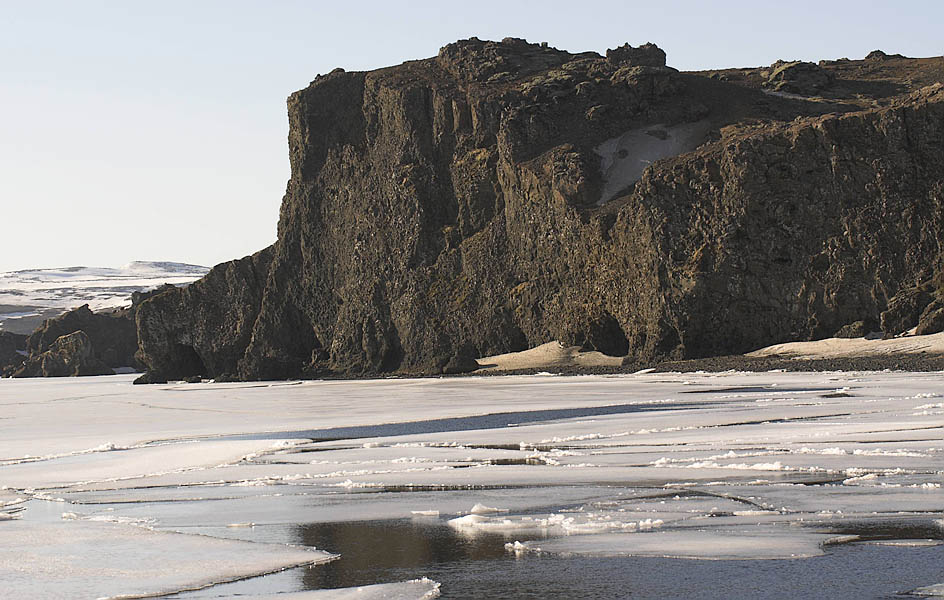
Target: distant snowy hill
[27,297]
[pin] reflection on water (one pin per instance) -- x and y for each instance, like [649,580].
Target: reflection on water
[388,551]
[889,529]
[472,568]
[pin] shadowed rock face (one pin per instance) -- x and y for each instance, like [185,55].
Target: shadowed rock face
[70,355]
[112,335]
[449,208]
[12,351]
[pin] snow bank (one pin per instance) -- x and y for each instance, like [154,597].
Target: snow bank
[548,356]
[853,347]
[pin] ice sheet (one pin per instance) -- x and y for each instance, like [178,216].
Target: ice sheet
[77,558]
[674,462]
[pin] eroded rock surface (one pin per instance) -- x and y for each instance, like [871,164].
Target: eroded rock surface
[12,352]
[112,335]
[798,77]
[449,208]
[70,355]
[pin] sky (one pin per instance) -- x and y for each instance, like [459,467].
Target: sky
[134,130]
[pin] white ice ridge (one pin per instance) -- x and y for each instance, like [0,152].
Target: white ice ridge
[658,463]
[417,589]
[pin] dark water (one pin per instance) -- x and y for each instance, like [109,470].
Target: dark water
[479,567]
[476,567]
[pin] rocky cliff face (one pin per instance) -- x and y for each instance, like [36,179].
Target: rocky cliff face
[108,341]
[69,355]
[501,195]
[12,352]
[111,335]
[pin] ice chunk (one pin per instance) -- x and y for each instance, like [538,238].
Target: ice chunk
[929,591]
[417,589]
[704,544]
[58,559]
[481,509]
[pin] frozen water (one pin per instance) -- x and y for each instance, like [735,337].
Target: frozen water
[708,466]
[28,296]
[78,558]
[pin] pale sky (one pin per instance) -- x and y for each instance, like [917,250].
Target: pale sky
[134,130]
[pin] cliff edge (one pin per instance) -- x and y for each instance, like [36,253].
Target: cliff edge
[504,194]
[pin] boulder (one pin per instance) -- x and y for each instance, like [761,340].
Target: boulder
[878,55]
[647,55]
[932,318]
[905,308]
[463,361]
[803,78]
[70,355]
[150,377]
[857,329]
[12,352]
[112,335]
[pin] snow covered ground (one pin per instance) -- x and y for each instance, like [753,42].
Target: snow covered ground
[27,297]
[625,157]
[110,490]
[855,347]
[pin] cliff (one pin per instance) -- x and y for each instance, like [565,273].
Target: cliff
[79,342]
[504,194]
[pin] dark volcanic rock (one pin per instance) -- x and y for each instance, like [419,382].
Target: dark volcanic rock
[205,328]
[804,78]
[453,203]
[12,352]
[857,329]
[112,339]
[879,55]
[70,355]
[905,308]
[932,317]
[647,55]
[150,377]
[113,335]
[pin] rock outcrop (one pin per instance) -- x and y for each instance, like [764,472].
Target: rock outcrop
[70,355]
[12,352]
[110,342]
[112,336]
[920,307]
[798,77]
[482,202]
